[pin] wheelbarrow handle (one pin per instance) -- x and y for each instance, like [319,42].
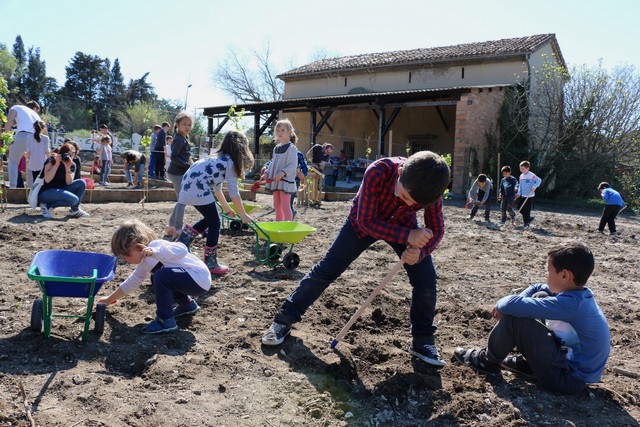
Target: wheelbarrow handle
[366,303]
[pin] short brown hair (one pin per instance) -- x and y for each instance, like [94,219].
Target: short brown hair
[526,164]
[425,167]
[130,233]
[575,257]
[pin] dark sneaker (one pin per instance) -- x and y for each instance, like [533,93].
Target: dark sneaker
[477,360]
[518,365]
[276,334]
[428,353]
[186,309]
[160,326]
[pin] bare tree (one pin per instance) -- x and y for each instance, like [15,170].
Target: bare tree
[249,78]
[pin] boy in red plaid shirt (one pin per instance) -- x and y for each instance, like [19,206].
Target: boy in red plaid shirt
[393,190]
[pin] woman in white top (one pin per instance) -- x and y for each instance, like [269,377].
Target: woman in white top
[38,148]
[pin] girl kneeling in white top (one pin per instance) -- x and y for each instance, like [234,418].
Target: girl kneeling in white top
[176,274]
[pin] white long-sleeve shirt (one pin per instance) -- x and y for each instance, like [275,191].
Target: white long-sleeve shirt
[527,182]
[171,255]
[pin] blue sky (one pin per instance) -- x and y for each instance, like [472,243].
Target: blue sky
[180,40]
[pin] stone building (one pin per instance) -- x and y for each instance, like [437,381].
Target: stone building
[444,99]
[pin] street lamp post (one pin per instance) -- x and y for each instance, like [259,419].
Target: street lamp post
[186,96]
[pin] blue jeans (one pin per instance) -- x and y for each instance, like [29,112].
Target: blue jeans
[105,171]
[152,164]
[127,172]
[173,285]
[347,248]
[210,222]
[69,195]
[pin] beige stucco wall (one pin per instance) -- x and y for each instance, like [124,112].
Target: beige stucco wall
[357,125]
[427,78]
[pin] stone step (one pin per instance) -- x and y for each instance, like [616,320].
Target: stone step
[119,193]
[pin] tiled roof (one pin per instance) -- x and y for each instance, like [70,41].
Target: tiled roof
[461,52]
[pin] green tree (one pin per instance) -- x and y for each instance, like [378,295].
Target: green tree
[140,90]
[85,77]
[139,117]
[35,79]
[17,80]
[7,63]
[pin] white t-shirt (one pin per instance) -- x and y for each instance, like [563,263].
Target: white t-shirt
[37,152]
[25,117]
[171,255]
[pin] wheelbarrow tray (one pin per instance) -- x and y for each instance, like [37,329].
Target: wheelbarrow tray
[283,231]
[248,207]
[71,273]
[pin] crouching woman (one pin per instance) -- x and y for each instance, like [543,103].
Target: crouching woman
[59,188]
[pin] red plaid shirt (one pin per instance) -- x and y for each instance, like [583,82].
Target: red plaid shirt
[378,212]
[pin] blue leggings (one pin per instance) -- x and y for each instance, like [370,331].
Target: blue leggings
[210,222]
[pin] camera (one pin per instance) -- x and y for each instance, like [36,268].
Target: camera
[65,156]
[51,159]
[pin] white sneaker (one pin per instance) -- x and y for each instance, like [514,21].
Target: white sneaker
[79,214]
[47,212]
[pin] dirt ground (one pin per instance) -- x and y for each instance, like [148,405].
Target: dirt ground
[214,371]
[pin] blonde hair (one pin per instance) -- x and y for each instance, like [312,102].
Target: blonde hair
[130,233]
[287,124]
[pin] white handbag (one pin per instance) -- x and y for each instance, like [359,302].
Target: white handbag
[35,190]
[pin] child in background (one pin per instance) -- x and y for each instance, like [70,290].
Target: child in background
[198,182]
[507,195]
[167,153]
[106,157]
[480,195]
[301,174]
[176,274]
[613,205]
[180,162]
[392,193]
[527,185]
[22,168]
[564,353]
[95,168]
[281,174]
[38,147]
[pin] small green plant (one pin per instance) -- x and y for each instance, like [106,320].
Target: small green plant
[236,117]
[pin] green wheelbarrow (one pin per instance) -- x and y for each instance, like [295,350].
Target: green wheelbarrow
[235,224]
[69,274]
[279,240]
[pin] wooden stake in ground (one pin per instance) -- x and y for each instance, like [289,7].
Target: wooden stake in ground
[366,303]
[27,408]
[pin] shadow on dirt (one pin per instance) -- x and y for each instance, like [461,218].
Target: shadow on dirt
[126,350]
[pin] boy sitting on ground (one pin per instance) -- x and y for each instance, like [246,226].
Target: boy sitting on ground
[566,352]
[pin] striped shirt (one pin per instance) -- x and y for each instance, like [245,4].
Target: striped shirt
[379,213]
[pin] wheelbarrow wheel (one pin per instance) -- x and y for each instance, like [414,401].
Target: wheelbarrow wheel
[36,315]
[235,226]
[272,251]
[291,260]
[99,316]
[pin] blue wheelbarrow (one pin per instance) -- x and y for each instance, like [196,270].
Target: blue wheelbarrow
[69,274]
